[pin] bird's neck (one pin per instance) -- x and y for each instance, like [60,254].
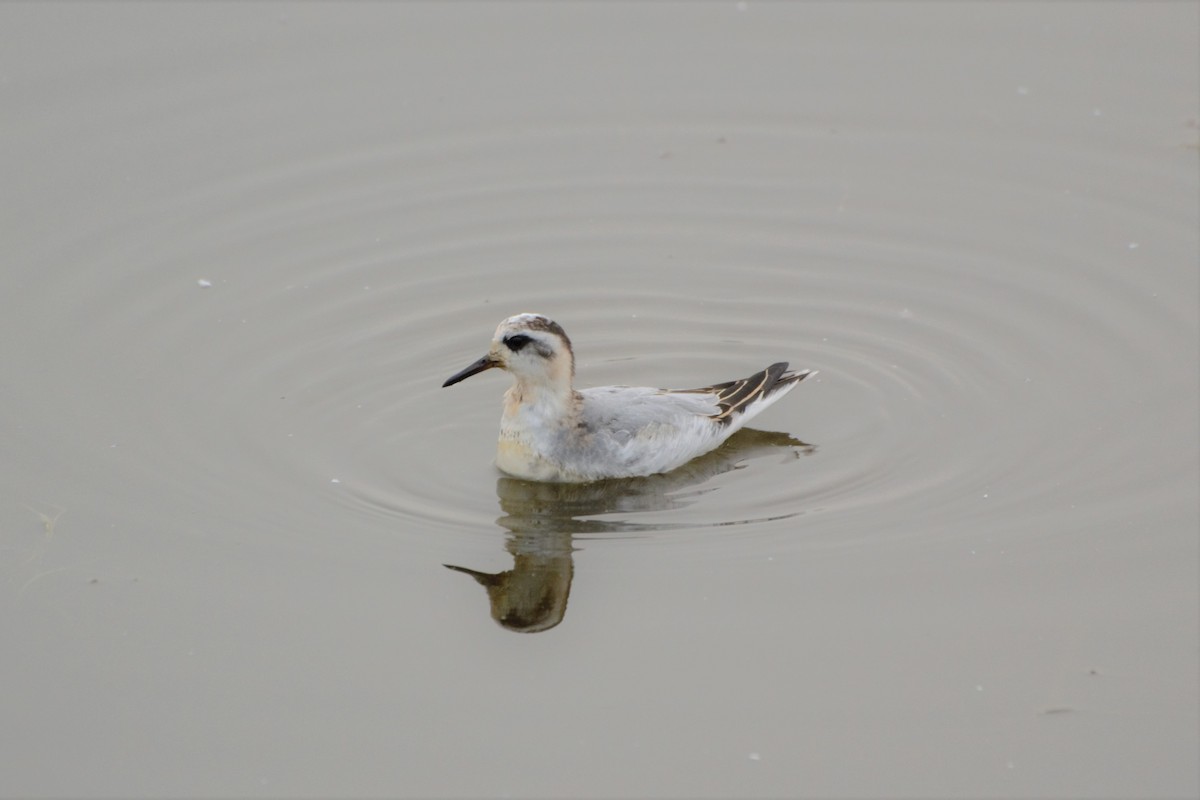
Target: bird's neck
[540,399]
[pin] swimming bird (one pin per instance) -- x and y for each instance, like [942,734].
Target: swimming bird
[550,431]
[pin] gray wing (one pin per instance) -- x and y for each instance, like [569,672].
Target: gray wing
[622,411]
[641,430]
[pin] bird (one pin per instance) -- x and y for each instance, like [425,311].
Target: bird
[552,432]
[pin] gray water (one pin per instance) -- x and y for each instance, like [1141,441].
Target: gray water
[244,244]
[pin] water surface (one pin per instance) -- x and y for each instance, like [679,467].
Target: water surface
[244,245]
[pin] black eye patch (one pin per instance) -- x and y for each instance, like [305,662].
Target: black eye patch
[517,341]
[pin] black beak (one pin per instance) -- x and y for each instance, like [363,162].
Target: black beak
[487,362]
[482,578]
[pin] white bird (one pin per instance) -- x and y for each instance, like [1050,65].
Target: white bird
[550,431]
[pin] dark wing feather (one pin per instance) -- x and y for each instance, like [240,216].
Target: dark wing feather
[734,396]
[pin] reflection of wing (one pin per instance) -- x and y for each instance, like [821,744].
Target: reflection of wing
[750,395]
[581,508]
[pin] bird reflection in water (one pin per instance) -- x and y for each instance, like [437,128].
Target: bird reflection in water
[543,519]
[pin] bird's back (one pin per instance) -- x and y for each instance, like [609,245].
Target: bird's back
[638,430]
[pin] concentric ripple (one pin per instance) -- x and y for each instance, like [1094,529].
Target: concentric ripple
[956,368]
